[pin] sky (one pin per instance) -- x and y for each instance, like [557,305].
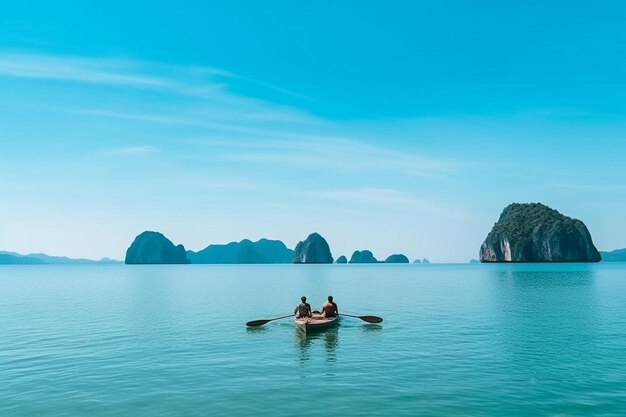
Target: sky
[398,127]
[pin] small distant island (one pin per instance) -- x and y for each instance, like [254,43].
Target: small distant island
[151,247]
[397,258]
[264,251]
[362,257]
[618,255]
[12,258]
[537,233]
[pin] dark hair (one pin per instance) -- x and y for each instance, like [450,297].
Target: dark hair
[303,298]
[330,298]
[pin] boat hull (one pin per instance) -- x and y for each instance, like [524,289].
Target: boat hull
[310,325]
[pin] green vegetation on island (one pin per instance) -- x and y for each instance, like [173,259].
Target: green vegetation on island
[536,233]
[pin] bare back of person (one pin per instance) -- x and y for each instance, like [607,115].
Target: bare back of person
[329,309]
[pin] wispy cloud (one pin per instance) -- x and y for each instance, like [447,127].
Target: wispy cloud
[192,81]
[386,198]
[233,126]
[310,150]
[83,70]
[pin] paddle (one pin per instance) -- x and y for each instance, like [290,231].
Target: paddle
[369,319]
[255,323]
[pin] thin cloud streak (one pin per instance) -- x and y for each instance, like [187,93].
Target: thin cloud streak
[188,80]
[346,154]
[384,198]
[270,133]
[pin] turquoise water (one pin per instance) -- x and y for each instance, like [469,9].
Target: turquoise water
[492,340]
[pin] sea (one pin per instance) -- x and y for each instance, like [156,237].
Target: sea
[456,340]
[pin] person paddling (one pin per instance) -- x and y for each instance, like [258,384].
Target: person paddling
[303,309]
[330,309]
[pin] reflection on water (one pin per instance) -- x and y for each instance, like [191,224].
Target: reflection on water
[537,311]
[257,329]
[372,327]
[306,341]
[309,345]
[485,340]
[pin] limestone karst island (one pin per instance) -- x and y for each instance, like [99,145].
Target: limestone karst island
[154,248]
[537,233]
[524,233]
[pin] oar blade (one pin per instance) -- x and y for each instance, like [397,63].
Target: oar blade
[371,319]
[255,323]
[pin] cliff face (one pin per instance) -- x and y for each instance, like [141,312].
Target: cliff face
[363,257]
[397,259]
[154,248]
[314,250]
[245,252]
[537,233]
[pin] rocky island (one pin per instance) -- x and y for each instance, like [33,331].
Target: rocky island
[397,259]
[154,248]
[264,251]
[313,250]
[342,260]
[536,233]
[363,257]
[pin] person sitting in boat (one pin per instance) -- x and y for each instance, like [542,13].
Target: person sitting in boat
[303,309]
[329,309]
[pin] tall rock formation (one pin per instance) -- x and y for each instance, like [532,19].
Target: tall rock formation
[363,257]
[397,259]
[536,233]
[154,248]
[314,250]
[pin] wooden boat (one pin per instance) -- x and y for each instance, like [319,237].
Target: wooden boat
[316,324]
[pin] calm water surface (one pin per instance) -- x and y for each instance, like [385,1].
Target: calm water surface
[492,340]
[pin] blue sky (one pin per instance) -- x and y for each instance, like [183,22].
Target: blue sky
[395,127]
